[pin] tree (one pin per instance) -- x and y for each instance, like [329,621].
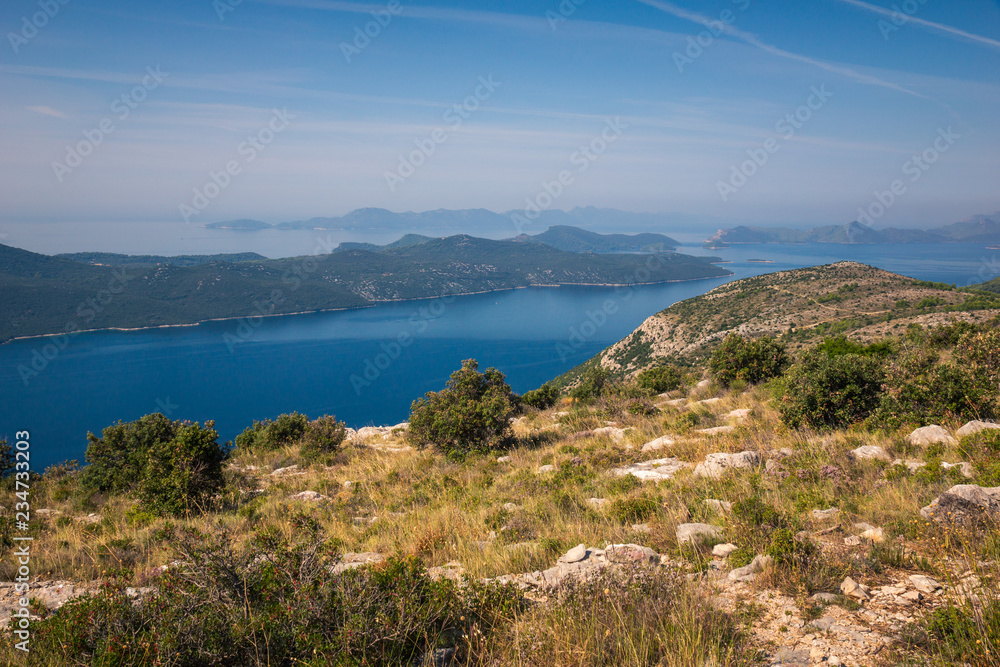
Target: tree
[472,412]
[118,458]
[268,435]
[592,384]
[832,391]
[542,398]
[749,360]
[659,379]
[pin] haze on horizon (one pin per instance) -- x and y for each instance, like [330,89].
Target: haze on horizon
[287,110]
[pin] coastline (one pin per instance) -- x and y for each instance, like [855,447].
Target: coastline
[368,305]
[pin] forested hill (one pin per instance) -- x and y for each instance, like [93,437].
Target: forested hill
[801,306]
[40,294]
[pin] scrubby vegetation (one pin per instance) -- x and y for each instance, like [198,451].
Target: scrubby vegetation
[310,543]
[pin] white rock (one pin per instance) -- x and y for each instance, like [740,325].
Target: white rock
[720,506]
[853,589]
[643,528]
[504,459]
[928,435]
[658,443]
[870,452]
[546,468]
[965,468]
[716,465]
[693,532]
[975,426]
[747,572]
[703,384]
[924,584]
[964,503]
[716,430]
[826,514]
[574,555]
[723,550]
[310,496]
[874,535]
[739,415]
[710,401]
[511,507]
[597,503]
[290,470]
[612,432]
[656,470]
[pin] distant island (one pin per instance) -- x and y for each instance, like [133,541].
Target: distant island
[976,229]
[87,291]
[470,220]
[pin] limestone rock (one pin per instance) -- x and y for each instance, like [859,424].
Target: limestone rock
[349,561]
[694,532]
[924,584]
[612,432]
[739,415]
[716,465]
[716,430]
[975,426]
[929,435]
[827,514]
[652,471]
[574,555]
[597,503]
[719,506]
[310,496]
[631,554]
[870,453]
[546,468]
[964,504]
[965,468]
[723,550]
[504,459]
[658,443]
[748,572]
[853,589]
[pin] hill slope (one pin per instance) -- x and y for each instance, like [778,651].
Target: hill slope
[802,306]
[574,239]
[43,294]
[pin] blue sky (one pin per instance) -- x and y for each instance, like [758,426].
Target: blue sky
[559,73]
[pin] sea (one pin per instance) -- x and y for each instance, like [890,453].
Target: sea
[367,365]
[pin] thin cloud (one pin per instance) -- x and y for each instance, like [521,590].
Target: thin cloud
[753,40]
[47,111]
[937,27]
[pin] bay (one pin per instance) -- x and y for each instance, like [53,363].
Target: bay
[316,363]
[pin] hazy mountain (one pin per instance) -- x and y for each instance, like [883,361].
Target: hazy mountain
[574,239]
[243,224]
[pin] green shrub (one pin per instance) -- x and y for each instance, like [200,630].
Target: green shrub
[117,459]
[750,360]
[7,463]
[592,384]
[182,474]
[471,414]
[660,379]
[323,436]
[634,510]
[542,398]
[267,435]
[825,391]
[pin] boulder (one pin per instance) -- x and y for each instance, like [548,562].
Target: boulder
[964,504]
[827,514]
[870,453]
[853,589]
[975,426]
[656,470]
[658,443]
[965,468]
[694,532]
[631,554]
[716,430]
[723,550]
[929,435]
[546,468]
[740,415]
[504,459]
[716,465]
[924,584]
[574,555]
[612,432]
[719,506]
[748,572]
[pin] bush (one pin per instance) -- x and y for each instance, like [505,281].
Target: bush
[267,435]
[660,379]
[592,384]
[542,398]
[749,360]
[471,414]
[172,466]
[182,474]
[831,391]
[323,436]
[273,604]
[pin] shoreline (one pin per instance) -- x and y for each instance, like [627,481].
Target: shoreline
[368,305]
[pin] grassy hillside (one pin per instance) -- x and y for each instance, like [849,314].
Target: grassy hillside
[41,294]
[800,306]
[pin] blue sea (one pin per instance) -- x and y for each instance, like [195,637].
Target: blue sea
[366,366]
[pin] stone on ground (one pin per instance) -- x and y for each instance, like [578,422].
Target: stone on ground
[975,426]
[693,532]
[929,435]
[716,465]
[964,504]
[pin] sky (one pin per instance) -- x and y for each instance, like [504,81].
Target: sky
[741,111]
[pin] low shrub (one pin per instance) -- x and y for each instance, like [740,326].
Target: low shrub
[824,391]
[268,435]
[660,379]
[747,359]
[542,398]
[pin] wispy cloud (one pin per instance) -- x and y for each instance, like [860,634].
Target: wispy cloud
[931,25]
[753,40]
[47,111]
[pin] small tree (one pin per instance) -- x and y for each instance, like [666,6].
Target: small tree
[592,384]
[268,435]
[749,360]
[472,412]
[118,458]
[834,392]
[323,436]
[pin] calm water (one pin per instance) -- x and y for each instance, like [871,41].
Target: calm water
[317,363]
